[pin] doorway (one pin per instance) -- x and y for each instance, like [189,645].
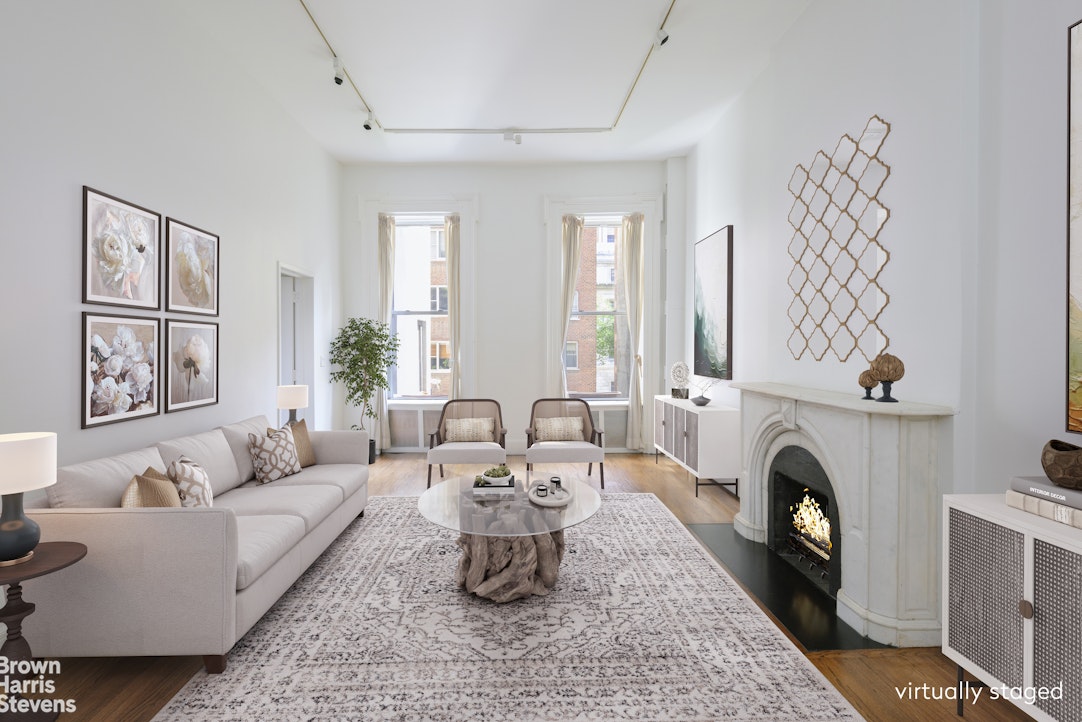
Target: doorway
[296,336]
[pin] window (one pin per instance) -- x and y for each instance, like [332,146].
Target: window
[438,298]
[571,355]
[575,307]
[419,316]
[599,364]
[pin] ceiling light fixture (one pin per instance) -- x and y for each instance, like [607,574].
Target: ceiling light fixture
[661,38]
[370,120]
[338,71]
[512,136]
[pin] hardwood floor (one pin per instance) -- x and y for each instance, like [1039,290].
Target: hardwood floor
[134,689]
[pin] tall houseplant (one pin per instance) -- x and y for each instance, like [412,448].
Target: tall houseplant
[361,353]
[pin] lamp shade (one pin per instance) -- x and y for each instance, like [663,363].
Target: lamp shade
[293,397]
[27,461]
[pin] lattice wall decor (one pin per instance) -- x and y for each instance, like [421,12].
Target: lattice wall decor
[837,256]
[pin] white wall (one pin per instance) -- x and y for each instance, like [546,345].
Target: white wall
[509,253]
[124,96]
[976,97]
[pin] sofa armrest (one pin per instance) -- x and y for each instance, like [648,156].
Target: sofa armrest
[340,447]
[153,582]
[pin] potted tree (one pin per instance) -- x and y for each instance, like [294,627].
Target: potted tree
[362,352]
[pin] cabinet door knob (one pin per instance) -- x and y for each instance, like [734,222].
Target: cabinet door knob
[1025,608]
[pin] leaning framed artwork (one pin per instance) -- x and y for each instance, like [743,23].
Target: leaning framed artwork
[120,368]
[121,244]
[1074,228]
[191,270]
[191,360]
[713,299]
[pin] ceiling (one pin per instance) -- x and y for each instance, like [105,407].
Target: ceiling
[446,80]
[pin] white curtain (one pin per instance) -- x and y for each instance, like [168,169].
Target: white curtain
[629,254]
[386,305]
[452,234]
[572,247]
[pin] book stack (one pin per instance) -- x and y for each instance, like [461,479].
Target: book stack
[1038,495]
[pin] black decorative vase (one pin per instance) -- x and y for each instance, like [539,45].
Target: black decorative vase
[700,400]
[886,393]
[868,394]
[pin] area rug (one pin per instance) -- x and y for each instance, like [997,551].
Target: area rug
[643,624]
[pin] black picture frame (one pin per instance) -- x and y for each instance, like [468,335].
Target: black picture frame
[191,269]
[120,370]
[190,355]
[121,252]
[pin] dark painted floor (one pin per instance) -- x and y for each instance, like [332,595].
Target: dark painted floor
[809,613]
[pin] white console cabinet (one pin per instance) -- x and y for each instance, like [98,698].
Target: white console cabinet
[1012,604]
[705,440]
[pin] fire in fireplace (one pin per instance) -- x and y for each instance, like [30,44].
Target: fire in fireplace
[803,526]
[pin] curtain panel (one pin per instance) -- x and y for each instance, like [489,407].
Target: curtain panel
[386,305]
[572,246]
[630,257]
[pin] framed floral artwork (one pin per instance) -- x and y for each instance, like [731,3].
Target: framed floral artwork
[121,249]
[191,270]
[120,368]
[191,360]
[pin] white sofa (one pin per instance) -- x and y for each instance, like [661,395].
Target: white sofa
[187,581]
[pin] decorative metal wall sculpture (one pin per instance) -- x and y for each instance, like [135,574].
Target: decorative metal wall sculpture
[837,256]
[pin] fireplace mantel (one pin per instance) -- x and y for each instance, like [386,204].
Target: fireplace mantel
[884,465]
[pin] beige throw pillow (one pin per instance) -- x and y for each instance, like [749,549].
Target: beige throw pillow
[151,488]
[559,428]
[469,429]
[274,456]
[306,455]
[192,481]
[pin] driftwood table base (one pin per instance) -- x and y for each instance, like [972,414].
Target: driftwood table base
[507,568]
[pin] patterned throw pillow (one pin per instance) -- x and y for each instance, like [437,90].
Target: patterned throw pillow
[192,482]
[559,428]
[151,488]
[274,456]
[469,429]
[305,453]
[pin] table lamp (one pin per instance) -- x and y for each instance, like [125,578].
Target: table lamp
[27,462]
[292,398]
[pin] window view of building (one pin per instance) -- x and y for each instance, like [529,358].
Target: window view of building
[420,315]
[597,355]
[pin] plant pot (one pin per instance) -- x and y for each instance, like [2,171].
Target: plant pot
[700,400]
[371,451]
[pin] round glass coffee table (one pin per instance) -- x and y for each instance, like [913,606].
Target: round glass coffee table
[511,546]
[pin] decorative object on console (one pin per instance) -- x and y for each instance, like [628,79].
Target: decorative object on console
[27,462]
[700,400]
[192,269]
[713,299]
[192,363]
[1062,464]
[837,257]
[680,375]
[293,397]
[867,381]
[120,252]
[120,377]
[887,369]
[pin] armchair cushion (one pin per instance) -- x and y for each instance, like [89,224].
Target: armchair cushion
[565,452]
[472,429]
[468,452]
[559,428]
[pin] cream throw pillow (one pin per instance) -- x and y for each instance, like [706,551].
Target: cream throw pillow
[469,429]
[559,428]
[274,456]
[192,481]
[151,488]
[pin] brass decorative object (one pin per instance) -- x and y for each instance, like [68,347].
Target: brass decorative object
[837,256]
[867,381]
[887,369]
[1062,464]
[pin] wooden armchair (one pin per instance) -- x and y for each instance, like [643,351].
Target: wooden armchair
[562,430]
[470,431]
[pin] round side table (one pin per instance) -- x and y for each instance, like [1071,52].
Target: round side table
[48,558]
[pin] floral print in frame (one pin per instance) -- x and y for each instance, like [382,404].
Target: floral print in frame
[191,361]
[191,269]
[121,249]
[121,376]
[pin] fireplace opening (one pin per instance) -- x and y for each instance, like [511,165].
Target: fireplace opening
[804,528]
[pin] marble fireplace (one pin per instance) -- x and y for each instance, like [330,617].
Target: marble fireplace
[882,466]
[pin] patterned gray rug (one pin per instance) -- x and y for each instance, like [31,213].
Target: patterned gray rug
[642,624]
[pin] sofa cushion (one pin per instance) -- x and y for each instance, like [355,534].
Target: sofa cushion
[273,455]
[311,502]
[100,483]
[192,482]
[236,435]
[150,489]
[263,540]
[305,453]
[211,451]
[349,478]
